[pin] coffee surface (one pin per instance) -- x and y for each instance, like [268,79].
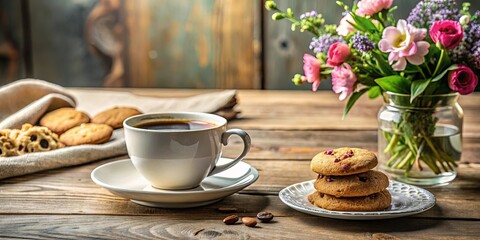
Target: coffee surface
[176,124]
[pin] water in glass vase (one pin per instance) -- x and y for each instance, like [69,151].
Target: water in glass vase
[432,161]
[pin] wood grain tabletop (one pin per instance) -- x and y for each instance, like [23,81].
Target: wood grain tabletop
[287,129]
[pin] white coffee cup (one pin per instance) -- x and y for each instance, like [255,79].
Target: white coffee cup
[179,158]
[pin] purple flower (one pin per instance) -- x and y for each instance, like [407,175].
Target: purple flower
[308,15]
[475,55]
[460,53]
[323,43]
[362,43]
[469,49]
[428,11]
[472,34]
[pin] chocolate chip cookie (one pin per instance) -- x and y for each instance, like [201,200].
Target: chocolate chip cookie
[8,147]
[343,161]
[62,119]
[374,202]
[87,133]
[36,139]
[114,117]
[362,184]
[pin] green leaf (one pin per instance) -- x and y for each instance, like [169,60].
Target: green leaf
[394,83]
[366,80]
[356,26]
[351,101]
[374,92]
[364,23]
[440,76]
[418,87]
[383,65]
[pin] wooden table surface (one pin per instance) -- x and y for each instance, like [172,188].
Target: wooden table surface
[287,128]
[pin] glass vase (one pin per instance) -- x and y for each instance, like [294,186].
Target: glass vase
[420,142]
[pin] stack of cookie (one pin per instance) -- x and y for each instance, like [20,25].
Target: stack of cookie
[73,126]
[346,181]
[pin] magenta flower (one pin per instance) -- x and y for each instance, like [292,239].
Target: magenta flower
[370,7]
[343,80]
[404,44]
[311,69]
[338,53]
[448,32]
[462,80]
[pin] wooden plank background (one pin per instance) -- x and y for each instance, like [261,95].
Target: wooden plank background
[159,43]
[195,44]
[11,42]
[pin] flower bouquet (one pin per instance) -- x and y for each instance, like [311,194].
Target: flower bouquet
[419,65]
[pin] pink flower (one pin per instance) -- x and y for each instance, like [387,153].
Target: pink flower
[337,53]
[404,43]
[462,80]
[311,68]
[448,32]
[343,80]
[344,27]
[370,7]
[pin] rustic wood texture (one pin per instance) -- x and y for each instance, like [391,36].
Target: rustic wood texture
[59,49]
[200,44]
[65,203]
[105,33]
[160,227]
[145,43]
[11,42]
[301,110]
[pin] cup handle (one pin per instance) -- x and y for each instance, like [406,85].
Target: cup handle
[246,147]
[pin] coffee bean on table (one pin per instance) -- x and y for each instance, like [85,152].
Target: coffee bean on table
[249,221]
[265,216]
[230,220]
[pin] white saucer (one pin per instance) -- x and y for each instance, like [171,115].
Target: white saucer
[406,200]
[122,179]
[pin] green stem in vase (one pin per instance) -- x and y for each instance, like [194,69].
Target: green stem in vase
[431,164]
[404,160]
[392,159]
[392,142]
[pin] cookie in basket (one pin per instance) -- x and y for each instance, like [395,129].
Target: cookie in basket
[35,139]
[374,202]
[62,119]
[8,147]
[343,161]
[114,117]
[357,185]
[87,133]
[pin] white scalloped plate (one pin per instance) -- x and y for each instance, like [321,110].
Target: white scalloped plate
[406,200]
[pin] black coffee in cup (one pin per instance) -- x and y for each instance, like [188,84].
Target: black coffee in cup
[175,124]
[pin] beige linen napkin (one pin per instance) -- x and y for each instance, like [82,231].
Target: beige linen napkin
[25,101]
